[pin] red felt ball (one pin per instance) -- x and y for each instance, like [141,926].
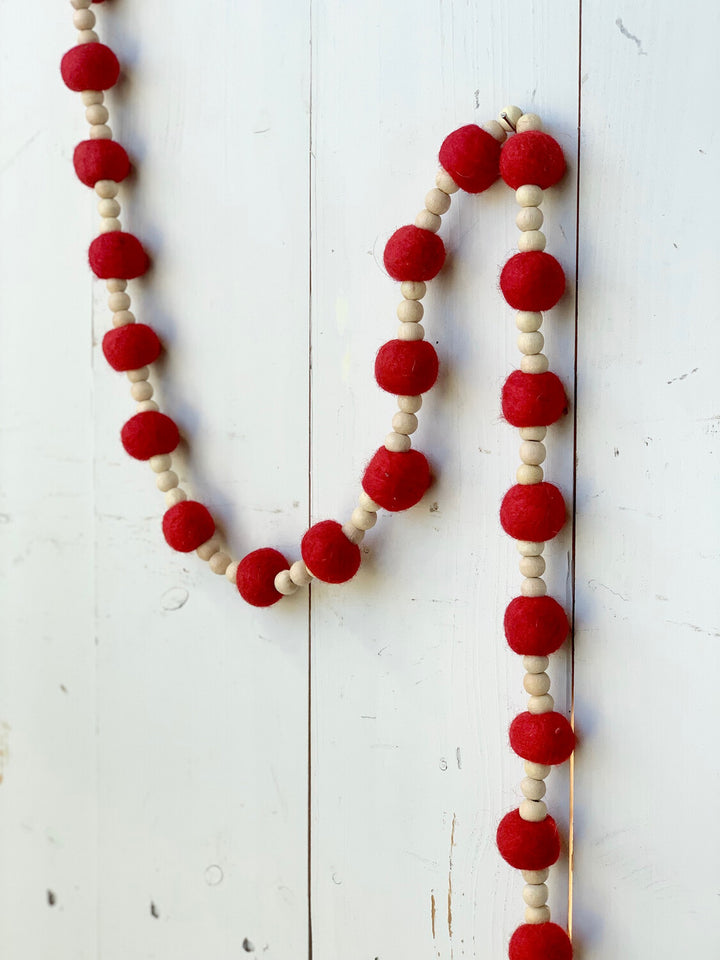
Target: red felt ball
[118,255]
[396,480]
[535,626]
[256,576]
[406,367]
[90,66]
[532,281]
[131,346]
[412,253]
[532,511]
[471,156]
[328,554]
[187,525]
[542,737]
[100,160]
[531,157]
[533,399]
[540,941]
[147,434]
[528,845]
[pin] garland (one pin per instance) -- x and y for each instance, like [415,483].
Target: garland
[532,511]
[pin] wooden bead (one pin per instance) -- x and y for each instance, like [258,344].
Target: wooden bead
[532,433]
[538,771]
[535,664]
[444,182]
[533,587]
[529,218]
[284,583]
[404,423]
[536,363]
[509,116]
[363,519]
[108,208]
[529,548]
[160,462]
[530,343]
[413,289]
[533,789]
[532,240]
[135,376]
[437,201]
[175,496]
[527,473]
[122,317]
[117,301]
[496,130]
[86,36]
[536,684]
[410,311]
[532,567]
[533,452]
[166,481]
[110,224]
[220,561]
[428,221]
[535,894]
[107,189]
[532,810]
[100,131]
[83,19]
[537,914]
[353,533]
[96,113]
[367,503]
[142,390]
[528,121]
[208,549]
[146,405]
[528,321]
[115,286]
[397,442]
[528,195]
[92,96]
[80,4]
[535,876]
[231,571]
[411,331]
[300,574]
[544,704]
[409,404]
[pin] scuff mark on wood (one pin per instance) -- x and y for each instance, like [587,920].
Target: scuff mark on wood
[433,910]
[631,36]
[449,897]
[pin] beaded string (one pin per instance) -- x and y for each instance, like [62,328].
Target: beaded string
[397,476]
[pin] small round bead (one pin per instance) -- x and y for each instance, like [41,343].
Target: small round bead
[363,519]
[533,587]
[496,130]
[437,201]
[532,810]
[413,289]
[527,473]
[537,914]
[92,96]
[538,771]
[209,548]
[527,321]
[530,343]
[535,876]
[166,481]
[300,574]
[528,121]
[107,189]
[110,224]
[536,684]
[118,301]
[544,704]
[411,331]
[404,423]
[135,376]
[96,113]
[175,496]
[529,218]
[100,131]
[219,562]
[108,208]
[532,433]
[533,452]
[532,567]
[535,664]
[367,503]
[428,221]
[444,182]
[353,533]
[397,442]
[142,390]
[83,19]
[532,240]
[115,286]
[409,404]
[231,571]
[533,789]
[80,4]
[86,36]
[509,116]
[160,462]
[536,363]
[528,195]
[535,894]
[123,317]
[145,406]
[529,548]
[410,311]
[284,583]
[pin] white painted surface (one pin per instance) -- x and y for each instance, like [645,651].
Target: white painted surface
[155,728]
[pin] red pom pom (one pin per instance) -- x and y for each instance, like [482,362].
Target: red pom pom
[256,576]
[131,346]
[532,511]
[542,737]
[187,525]
[406,367]
[100,160]
[412,253]
[90,66]
[328,554]
[471,156]
[531,157]
[528,845]
[533,399]
[535,626]
[147,434]
[118,255]
[532,281]
[540,941]
[396,480]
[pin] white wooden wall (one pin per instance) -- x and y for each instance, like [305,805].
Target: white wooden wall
[184,776]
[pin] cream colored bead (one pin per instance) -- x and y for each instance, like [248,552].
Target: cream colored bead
[363,519]
[92,96]
[166,481]
[532,567]
[528,121]
[528,195]
[80,4]
[142,390]
[496,130]
[530,548]
[536,684]
[530,343]
[135,376]
[300,574]
[532,433]
[409,404]
[208,549]
[533,452]
[100,131]
[86,36]
[532,810]
[96,113]
[437,201]
[117,301]
[145,406]
[535,876]
[411,331]
[537,363]
[108,208]
[537,914]
[410,311]
[220,561]
[529,218]
[544,704]
[115,285]
[413,289]
[160,462]
[353,533]
[444,182]
[535,894]
[406,423]
[538,771]
[533,789]
[109,225]
[528,321]
[284,583]
[428,221]
[175,496]
[527,474]
[509,116]
[107,189]
[533,587]
[122,317]
[535,664]
[397,442]
[367,503]
[231,571]
[531,240]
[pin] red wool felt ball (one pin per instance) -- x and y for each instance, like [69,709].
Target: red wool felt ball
[532,281]
[100,160]
[256,576]
[187,525]
[540,941]
[535,626]
[131,346]
[328,554]
[531,157]
[533,399]
[118,255]
[542,737]
[532,511]
[90,66]
[412,253]
[406,367]
[528,845]
[471,156]
[396,480]
[147,434]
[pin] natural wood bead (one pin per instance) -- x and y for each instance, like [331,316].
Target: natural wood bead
[92,96]
[532,567]
[495,130]
[109,224]
[115,286]
[536,684]
[142,390]
[528,121]
[535,876]
[174,496]
[535,664]
[530,548]
[300,574]
[160,462]
[411,331]
[80,4]
[231,571]
[530,343]
[532,433]
[363,519]
[353,533]
[509,116]
[208,549]
[86,36]
[118,301]
[437,201]
[220,561]
[367,503]
[535,894]
[537,914]
[397,442]
[100,131]
[528,321]
[444,182]
[532,810]
[145,406]
[544,704]
[96,113]
[527,473]
[538,771]
[167,480]
[284,583]
[533,452]
[107,189]
[404,423]
[537,363]
[428,221]
[409,404]
[533,789]
[122,317]
[529,218]
[528,195]
[531,240]
[413,289]
[135,376]
[410,311]
[108,208]
[533,587]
